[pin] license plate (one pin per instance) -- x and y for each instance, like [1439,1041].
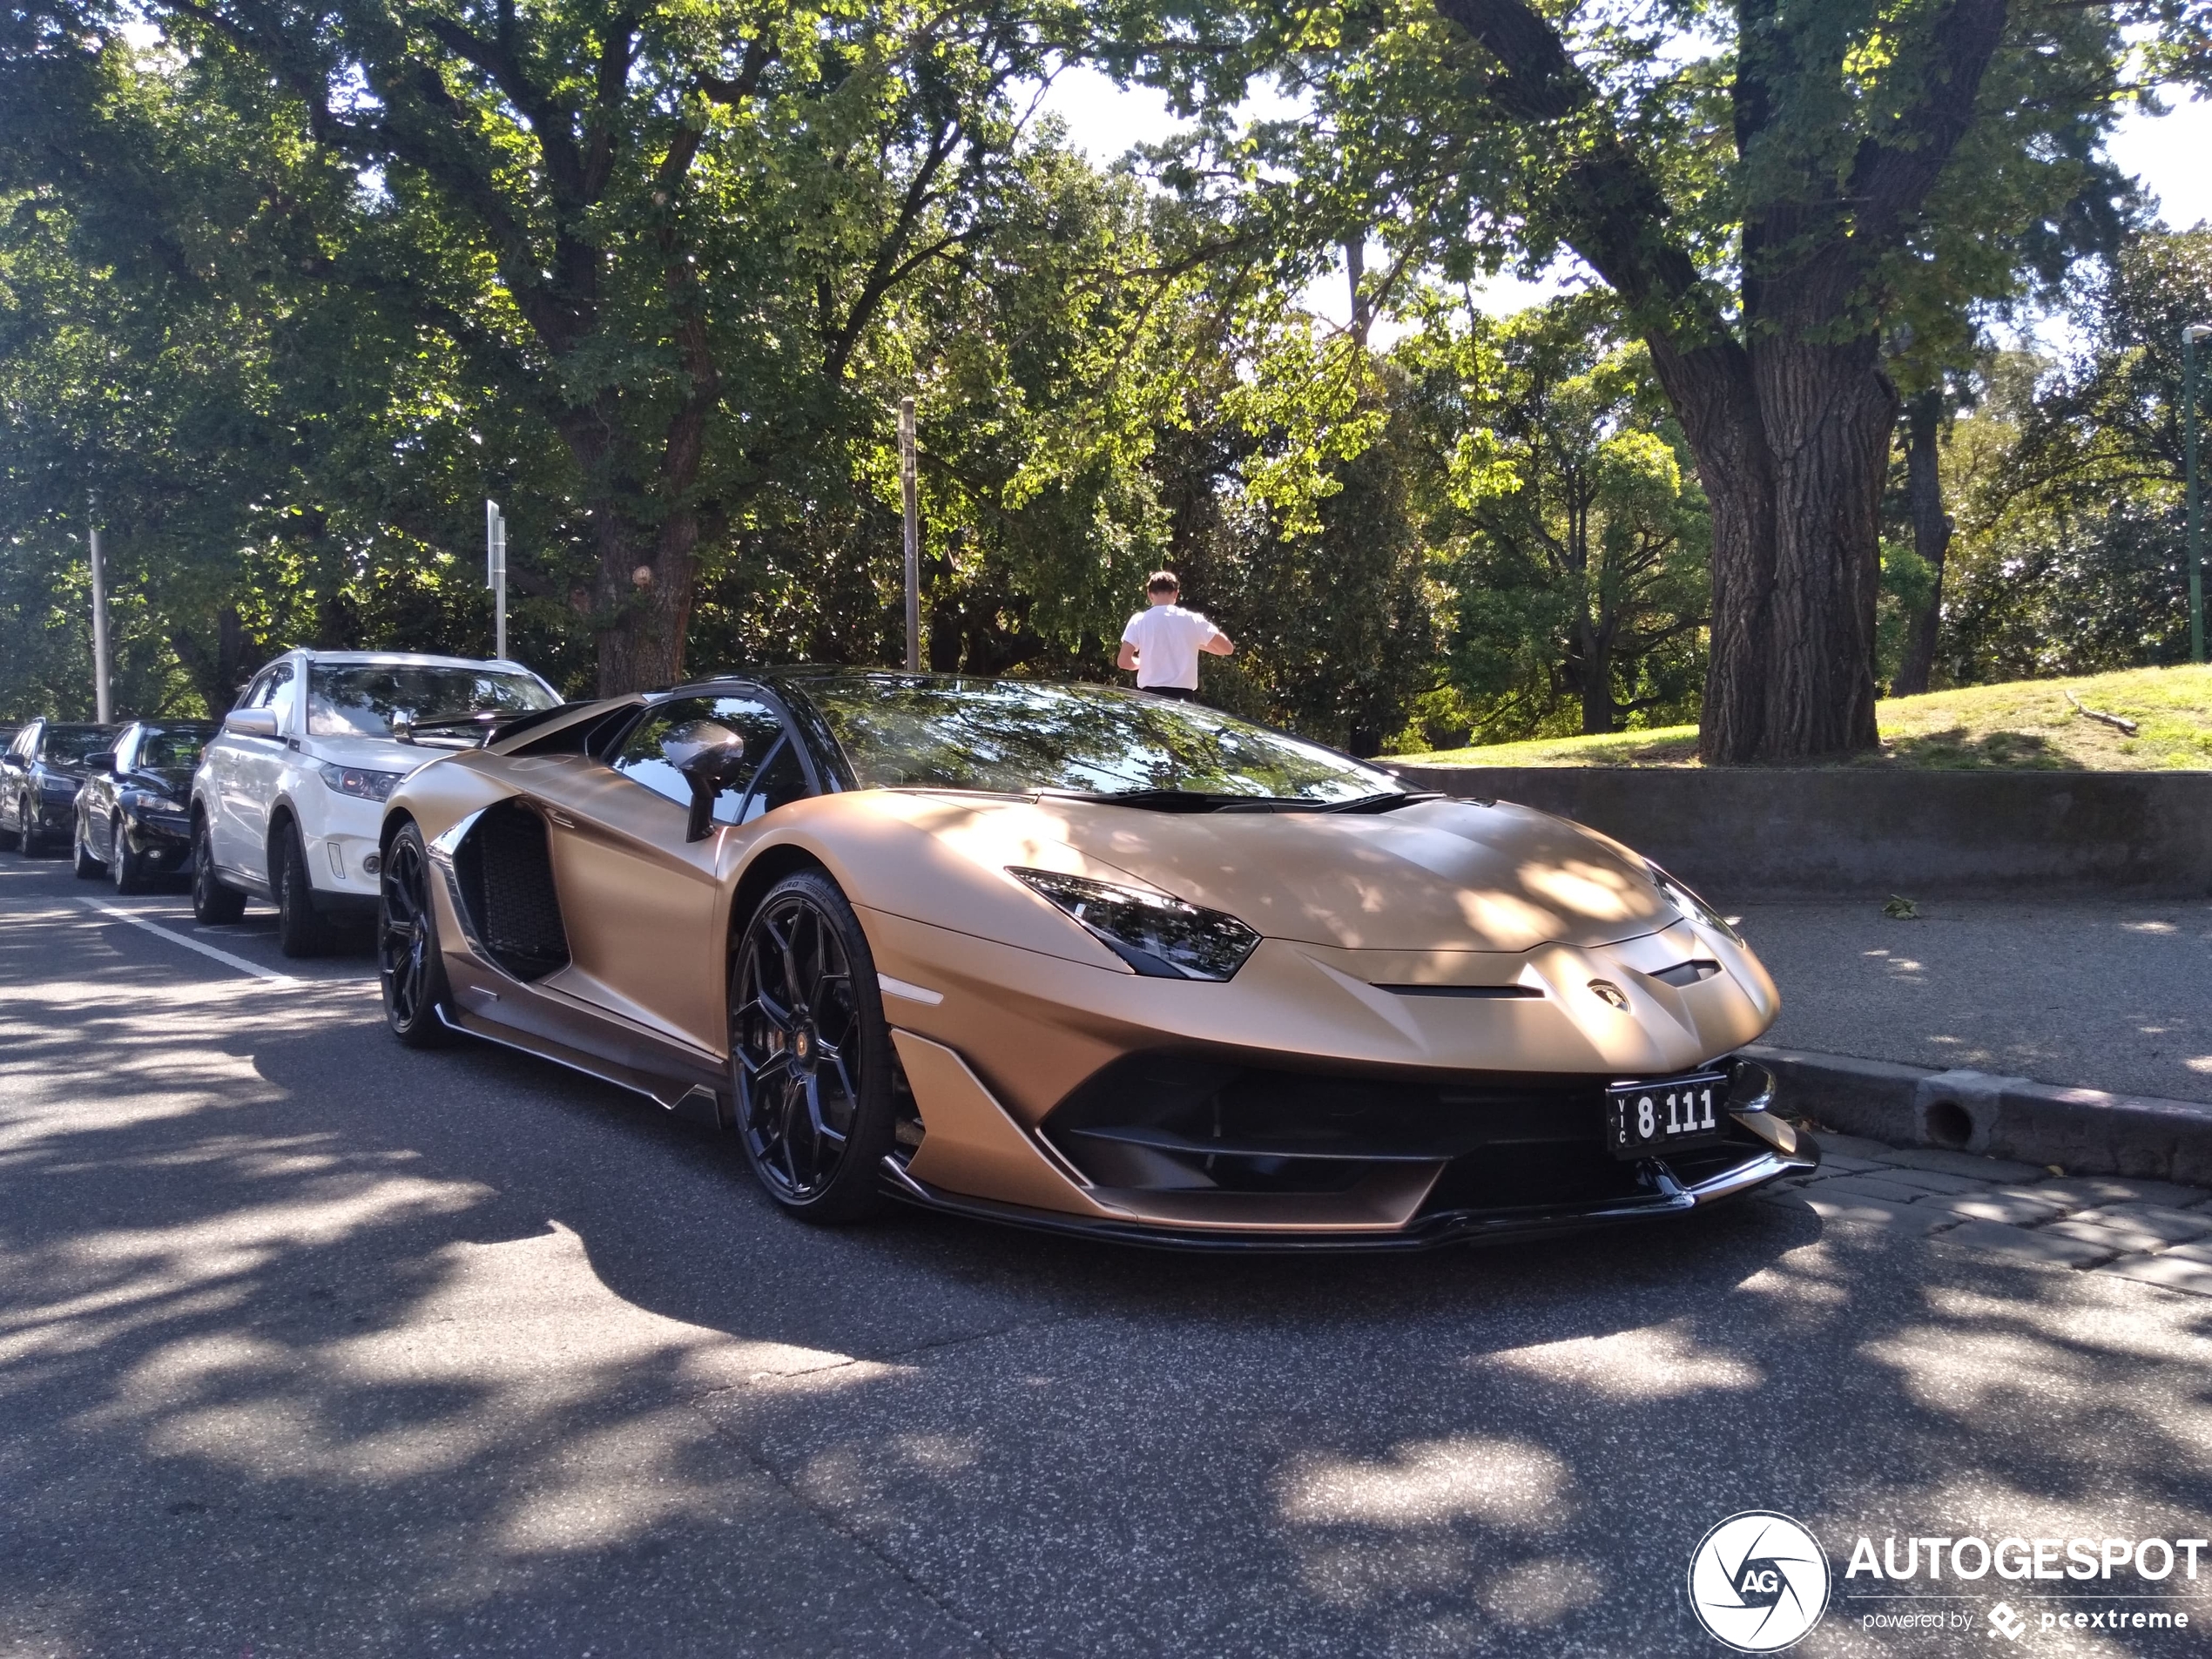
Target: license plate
[1642,1119]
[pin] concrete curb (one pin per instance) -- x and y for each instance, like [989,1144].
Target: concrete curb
[2085,1131]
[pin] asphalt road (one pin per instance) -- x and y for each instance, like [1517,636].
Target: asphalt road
[2089,993]
[310,1345]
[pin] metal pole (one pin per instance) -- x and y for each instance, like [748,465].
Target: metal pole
[102,707]
[2190,335]
[913,534]
[495,574]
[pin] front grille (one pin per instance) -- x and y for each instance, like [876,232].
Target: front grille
[1170,1123]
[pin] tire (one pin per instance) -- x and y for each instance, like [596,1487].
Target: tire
[301,929]
[29,842]
[125,868]
[82,863]
[810,1053]
[408,965]
[213,904]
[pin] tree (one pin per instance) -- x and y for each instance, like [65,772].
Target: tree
[1557,500]
[617,217]
[1762,184]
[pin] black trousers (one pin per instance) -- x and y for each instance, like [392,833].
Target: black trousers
[1180,693]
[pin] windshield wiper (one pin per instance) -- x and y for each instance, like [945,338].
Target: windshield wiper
[1184,801]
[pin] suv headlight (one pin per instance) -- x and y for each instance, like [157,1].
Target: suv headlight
[145,800]
[1688,903]
[365,786]
[1155,934]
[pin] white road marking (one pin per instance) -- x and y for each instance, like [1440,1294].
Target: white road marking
[175,937]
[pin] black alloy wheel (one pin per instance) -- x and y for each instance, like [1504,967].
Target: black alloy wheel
[213,904]
[811,1053]
[126,866]
[408,966]
[82,863]
[301,929]
[28,842]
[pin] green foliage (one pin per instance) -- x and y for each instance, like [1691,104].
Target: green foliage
[1563,521]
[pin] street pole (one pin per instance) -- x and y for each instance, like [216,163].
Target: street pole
[913,534]
[2190,335]
[496,575]
[102,707]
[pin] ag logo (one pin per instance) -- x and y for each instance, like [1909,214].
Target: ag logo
[1758,1581]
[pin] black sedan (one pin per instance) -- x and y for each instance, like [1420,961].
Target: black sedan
[40,775]
[133,819]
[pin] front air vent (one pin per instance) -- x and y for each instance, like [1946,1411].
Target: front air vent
[506,876]
[1688,973]
[1492,993]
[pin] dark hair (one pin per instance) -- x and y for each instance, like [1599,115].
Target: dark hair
[1163,581]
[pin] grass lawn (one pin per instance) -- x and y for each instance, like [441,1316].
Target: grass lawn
[2024,724]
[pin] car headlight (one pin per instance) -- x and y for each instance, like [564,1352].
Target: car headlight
[146,802]
[1688,903]
[1155,934]
[365,786]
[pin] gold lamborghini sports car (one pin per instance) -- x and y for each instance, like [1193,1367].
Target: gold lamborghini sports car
[1080,958]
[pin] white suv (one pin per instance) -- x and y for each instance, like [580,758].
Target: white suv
[289,798]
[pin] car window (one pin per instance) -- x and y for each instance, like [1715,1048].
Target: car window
[359,699]
[643,757]
[777,783]
[283,693]
[73,745]
[256,695]
[168,748]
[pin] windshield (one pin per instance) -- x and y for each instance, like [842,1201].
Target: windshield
[171,749]
[1012,737]
[359,699]
[70,745]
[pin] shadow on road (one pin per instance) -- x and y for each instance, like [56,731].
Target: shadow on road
[304,1335]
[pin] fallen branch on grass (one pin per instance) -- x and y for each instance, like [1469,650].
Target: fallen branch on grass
[2118,723]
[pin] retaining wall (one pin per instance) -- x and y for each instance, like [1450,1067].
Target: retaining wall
[1753,832]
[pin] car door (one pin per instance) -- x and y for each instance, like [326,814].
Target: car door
[101,790]
[247,781]
[643,906]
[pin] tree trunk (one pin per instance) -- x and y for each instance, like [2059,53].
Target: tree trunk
[1597,681]
[643,595]
[1931,539]
[1791,440]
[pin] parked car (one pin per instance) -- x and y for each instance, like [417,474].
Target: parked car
[133,825]
[1081,958]
[289,797]
[40,775]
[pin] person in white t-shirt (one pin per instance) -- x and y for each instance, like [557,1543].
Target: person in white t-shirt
[1162,642]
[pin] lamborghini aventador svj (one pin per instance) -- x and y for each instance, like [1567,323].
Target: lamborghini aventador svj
[1081,957]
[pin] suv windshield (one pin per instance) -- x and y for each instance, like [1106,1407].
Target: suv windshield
[1012,737]
[69,744]
[170,748]
[359,699]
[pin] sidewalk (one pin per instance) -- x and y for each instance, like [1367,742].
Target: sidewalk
[2109,993]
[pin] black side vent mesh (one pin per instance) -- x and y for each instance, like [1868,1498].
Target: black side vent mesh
[507,881]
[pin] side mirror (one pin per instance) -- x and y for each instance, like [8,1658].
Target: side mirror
[712,757]
[402,727]
[251,722]
[102,762]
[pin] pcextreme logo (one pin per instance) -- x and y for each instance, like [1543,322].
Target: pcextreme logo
[1758,1581]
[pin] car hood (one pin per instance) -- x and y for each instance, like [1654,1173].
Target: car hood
[1437,875]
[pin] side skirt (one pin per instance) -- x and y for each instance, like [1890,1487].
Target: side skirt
[696,1102]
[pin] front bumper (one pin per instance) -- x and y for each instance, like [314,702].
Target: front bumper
[163,840]
[1668,1196]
